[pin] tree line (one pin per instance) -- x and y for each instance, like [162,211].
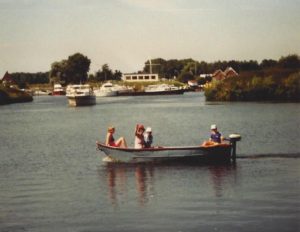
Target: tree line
[22,78]
[189,69]
[75,69]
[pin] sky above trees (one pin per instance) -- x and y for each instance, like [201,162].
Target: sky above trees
[125,33]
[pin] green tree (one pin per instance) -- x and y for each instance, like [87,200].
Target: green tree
[117,75]
[268,63]
[77,69]
[291,61]
[73,70]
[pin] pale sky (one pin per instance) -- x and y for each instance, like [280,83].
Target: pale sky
[125,33]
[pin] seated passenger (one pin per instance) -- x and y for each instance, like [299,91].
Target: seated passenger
[215,137]
[139,141]
[148,137]
[110,140]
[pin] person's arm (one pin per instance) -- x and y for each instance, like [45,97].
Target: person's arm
[107,139]
[222,138]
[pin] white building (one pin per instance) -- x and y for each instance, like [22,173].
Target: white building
[140,77]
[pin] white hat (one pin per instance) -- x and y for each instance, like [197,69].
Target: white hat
[213,127]
[148,129]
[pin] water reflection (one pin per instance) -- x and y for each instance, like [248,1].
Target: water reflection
[219,175]
[144,182]
[138,181]
[119,181]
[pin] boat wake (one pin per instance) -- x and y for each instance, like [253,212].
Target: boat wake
[259,156]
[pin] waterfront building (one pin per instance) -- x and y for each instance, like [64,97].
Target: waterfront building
[220,75]
[143,77]
[8,80]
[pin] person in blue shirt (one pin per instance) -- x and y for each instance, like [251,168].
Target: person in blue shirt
[148,137]
[215,137]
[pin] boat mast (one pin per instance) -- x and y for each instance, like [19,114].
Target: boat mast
[150,65]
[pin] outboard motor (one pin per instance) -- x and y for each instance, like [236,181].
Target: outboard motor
[233,138]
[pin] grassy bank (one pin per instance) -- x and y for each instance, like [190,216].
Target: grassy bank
[12,95]
[256,88]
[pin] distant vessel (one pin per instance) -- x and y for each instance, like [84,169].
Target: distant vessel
[58,90]
[80,95]
[161,89]
[106,90]
[41,92]
[121,89]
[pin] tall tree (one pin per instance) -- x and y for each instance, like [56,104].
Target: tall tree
[73,70]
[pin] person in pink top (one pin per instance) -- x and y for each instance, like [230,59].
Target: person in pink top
[139,141]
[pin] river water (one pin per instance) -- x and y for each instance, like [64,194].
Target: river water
[53,179]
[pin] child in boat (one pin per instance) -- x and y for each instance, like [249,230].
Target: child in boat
[110,140]
[148,137]
[139,141]
[215,137]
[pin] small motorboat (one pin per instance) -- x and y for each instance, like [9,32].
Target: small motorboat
[58,90]
[123,90]
[41,92]
[219,152]
[106,90]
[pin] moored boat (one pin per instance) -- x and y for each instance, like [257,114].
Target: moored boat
[58,90]
[123,90]
[161,89]
[41,92]
[106,90]
[220,152]
[80,95]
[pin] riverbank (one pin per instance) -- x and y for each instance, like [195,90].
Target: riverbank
[13,95]
[256,88]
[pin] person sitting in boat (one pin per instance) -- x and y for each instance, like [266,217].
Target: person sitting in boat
[110,141]
[215,137]
[148,137]
[139,141]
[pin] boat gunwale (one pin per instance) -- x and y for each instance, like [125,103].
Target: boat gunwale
[154,149]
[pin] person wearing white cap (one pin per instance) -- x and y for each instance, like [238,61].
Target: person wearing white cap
[148,137]
[215,136]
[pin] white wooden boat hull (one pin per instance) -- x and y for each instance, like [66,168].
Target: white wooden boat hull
[130,155]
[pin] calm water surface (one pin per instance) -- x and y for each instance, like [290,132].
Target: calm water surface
[53,179]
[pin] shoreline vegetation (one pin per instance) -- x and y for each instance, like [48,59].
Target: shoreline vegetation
[269,80]
[13,95]
[256,88]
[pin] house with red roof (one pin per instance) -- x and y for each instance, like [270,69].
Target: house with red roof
[8,80]
[220,75]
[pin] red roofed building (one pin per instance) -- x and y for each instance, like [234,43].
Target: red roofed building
[230,72]
[220,75]
[7,79]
